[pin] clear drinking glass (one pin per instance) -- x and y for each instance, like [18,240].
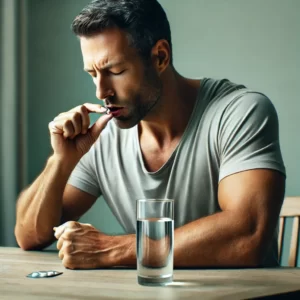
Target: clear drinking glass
[155,241]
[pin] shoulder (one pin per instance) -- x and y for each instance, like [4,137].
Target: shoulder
[226,99]
[248,104]
[241,113]
[225,94]
[248,117]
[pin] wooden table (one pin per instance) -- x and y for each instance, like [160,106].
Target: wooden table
[15,264]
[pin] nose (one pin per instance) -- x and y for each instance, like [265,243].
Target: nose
[103,87]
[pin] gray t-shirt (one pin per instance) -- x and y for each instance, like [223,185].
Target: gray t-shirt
[231,129]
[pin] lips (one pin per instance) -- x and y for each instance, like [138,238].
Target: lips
[115,110]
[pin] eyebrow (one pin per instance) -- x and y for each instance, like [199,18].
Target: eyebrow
[107,66]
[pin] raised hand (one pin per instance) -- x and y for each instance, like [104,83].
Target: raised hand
[71,136]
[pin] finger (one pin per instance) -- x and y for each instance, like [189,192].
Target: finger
[61,253]
[63,126]
[79,116]
[59,243]
[60,230]
[70,122]
[90,107]
[66,250]
[68,262]
[64,116]
[68,129]
[97,108]
[68,229]
[77,123]
[84,117]
[99,125]
[73,224]
[69,234]
[53,128]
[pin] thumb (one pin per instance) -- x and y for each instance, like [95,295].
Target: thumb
[99,125]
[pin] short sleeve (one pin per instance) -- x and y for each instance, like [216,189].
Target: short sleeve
[84,176]
[248,135]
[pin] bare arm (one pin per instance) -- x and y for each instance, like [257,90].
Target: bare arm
[40,206]
[241,234]
[48,202]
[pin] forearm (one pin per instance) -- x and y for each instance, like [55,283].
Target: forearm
[39,207]
[219,240]
[126,250]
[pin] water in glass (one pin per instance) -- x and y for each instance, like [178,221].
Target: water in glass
[155,250]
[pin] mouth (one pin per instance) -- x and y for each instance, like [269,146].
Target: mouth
[114,110]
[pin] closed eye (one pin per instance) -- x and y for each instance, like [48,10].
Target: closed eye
[116,73]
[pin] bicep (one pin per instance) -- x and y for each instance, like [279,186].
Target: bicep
[256,197]
[75,203]
[252,180]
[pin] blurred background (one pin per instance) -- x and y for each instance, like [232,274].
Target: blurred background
[256,43]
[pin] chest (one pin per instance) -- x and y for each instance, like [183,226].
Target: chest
[154,157]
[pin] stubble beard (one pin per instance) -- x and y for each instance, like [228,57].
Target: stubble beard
[143,102]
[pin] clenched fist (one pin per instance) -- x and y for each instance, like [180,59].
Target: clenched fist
[71,136]
[81,246]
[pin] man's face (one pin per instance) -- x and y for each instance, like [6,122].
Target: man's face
[121,77]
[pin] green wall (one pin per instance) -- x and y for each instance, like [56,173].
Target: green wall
[253,42]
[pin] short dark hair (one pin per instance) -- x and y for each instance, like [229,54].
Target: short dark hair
[144,21]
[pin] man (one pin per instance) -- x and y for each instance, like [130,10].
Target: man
[211,145]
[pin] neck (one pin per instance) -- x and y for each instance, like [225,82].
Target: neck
[168,120]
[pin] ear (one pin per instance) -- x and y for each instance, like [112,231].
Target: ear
[161,54]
